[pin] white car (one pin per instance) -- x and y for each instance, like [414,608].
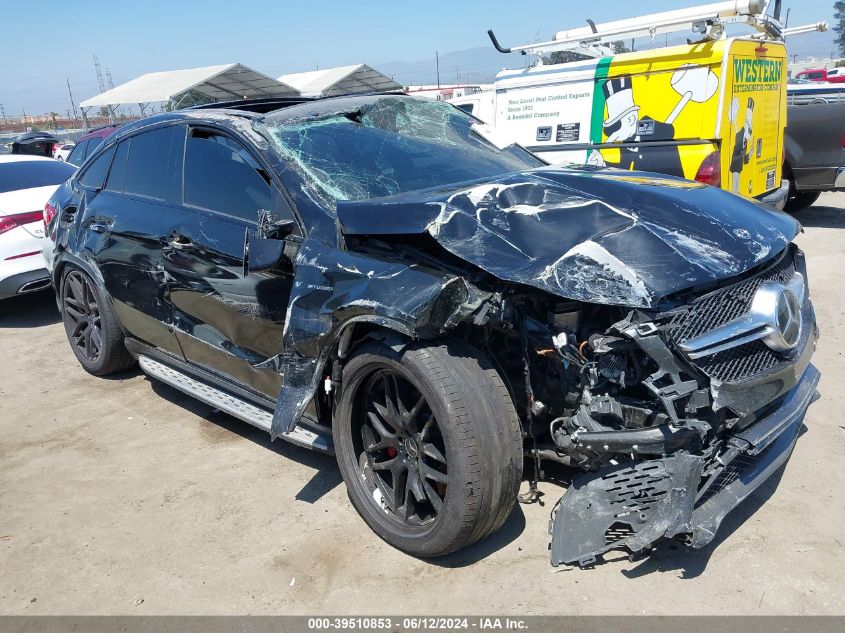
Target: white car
[26,184]
[63,151]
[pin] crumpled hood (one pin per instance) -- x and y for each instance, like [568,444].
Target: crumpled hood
[594,235]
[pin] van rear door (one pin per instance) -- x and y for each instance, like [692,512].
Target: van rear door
[753,117]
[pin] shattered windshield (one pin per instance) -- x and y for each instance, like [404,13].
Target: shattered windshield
[393,145]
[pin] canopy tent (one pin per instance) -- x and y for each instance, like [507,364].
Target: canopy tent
[226,82]
[343,80]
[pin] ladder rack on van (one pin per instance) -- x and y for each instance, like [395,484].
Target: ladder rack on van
[807,28]
[708,21]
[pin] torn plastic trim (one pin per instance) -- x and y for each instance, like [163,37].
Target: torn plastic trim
[634,505]
[333,289]
[624,506]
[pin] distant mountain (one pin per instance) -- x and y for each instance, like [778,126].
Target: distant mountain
[480,64]
[473,65]
[817,45]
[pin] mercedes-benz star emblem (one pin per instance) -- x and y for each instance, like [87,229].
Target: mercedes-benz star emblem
[788,318]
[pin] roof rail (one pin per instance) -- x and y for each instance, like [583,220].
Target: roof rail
[258,105]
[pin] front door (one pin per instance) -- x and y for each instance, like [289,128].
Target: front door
[227,320]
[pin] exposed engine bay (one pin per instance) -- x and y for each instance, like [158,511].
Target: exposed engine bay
[609,391]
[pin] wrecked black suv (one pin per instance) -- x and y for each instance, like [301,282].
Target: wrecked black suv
[379,277]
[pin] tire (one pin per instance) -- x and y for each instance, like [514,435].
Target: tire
[474,425]
[91,326]
[799,200]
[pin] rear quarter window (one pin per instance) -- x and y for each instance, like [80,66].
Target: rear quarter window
[95,174]
[117,173]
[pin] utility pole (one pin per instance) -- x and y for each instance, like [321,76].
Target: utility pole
[110,84]
[99,72]
[437,65]
[72,104]
[102,84]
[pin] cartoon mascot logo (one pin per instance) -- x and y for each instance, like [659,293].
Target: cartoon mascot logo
[743,142]
[637,135]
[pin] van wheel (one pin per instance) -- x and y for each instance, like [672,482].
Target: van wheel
[799,200]
[91,326]
[429,445]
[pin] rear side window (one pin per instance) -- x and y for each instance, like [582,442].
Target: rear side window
[95,174]
[467,107]
[27,174]
[221,175]
[117,173]
[146,165]
[77,156]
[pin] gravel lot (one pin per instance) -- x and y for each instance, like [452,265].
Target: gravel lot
[121,496]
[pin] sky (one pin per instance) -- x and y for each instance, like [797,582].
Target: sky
[46,42]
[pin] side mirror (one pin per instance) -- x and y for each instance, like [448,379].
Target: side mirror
[265,246]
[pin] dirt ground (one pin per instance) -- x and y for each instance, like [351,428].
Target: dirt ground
[122,496]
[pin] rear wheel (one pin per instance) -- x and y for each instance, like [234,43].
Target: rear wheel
[91,326]
[429,445]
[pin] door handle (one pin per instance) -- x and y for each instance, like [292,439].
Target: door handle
[100,225]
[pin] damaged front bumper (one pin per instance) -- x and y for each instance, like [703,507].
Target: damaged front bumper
[634,505]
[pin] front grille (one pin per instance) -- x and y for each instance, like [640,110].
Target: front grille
[739,362]
[725,305]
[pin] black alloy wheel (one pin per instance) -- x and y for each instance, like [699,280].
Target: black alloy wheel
[92,328]
[428,443]
[402,455]
[83,321]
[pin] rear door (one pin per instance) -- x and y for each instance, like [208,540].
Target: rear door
[122,221]
[227,321]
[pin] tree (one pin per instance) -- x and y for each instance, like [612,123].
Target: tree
[839,17]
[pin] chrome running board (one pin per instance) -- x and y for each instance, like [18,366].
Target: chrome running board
[234,406]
